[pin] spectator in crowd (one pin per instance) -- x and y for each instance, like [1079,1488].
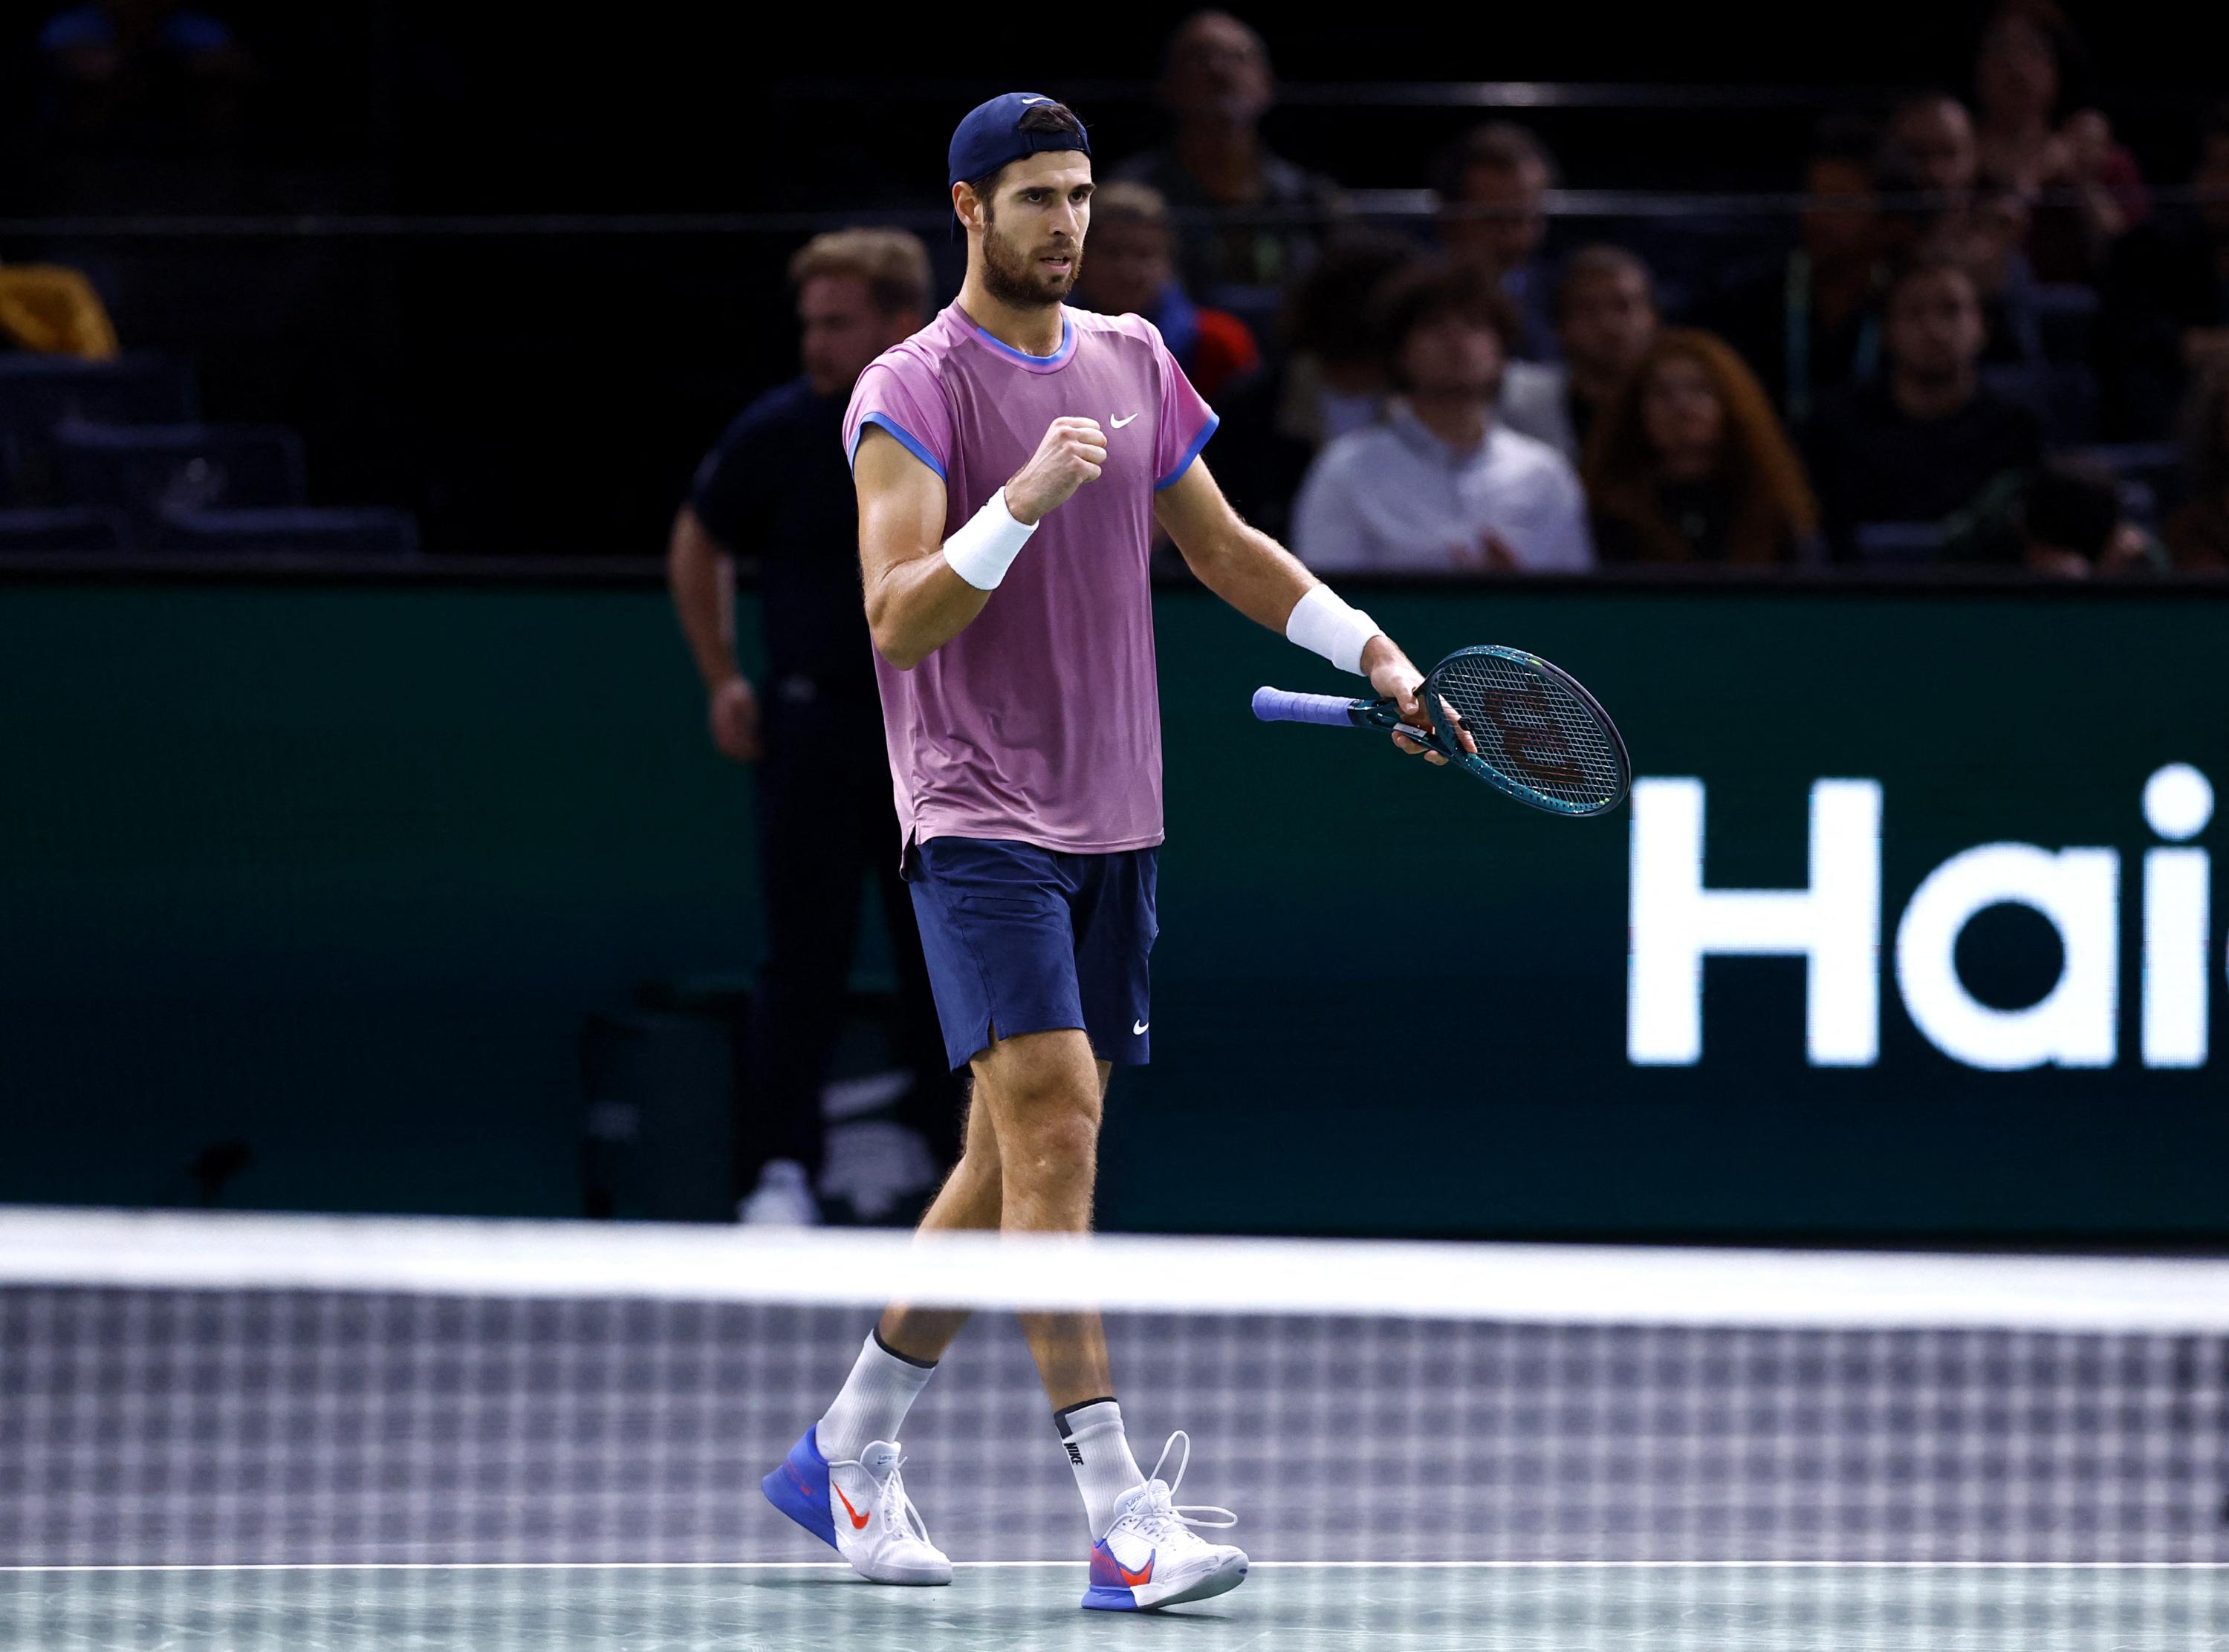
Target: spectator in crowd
[2071,525]
[777,489]
[141,75]
[1328,379]
[1928,153]
[2164,318]
[1933,134]
[1440,485]
[1132,270]
[1809,322]
[2036,137]
[1606,319]
[2198,532]
[1491,187]
[1921,441]
[2063,521]
[1216,86]
[1689,465]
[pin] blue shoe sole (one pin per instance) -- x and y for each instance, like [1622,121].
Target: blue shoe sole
[1100,1598]
[800,1489]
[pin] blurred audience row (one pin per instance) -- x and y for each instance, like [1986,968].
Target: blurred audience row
[1984,345]
[1985,342]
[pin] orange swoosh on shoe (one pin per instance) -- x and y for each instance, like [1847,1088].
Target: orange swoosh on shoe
[1134,1579]
[859,1521]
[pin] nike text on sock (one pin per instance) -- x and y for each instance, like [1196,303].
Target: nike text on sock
[1100,1453]
[873,1402]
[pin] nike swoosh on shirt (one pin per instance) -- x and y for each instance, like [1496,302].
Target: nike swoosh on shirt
[1118,423]
[1138,1027]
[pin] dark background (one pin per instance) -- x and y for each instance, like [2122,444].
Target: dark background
[550,393]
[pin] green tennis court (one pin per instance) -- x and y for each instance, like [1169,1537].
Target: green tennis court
[1545,1608]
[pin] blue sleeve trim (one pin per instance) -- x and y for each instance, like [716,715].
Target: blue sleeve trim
[1189,454]
[906,438]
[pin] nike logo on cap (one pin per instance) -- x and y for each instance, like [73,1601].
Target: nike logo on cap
[1138,1027]
[1118,423]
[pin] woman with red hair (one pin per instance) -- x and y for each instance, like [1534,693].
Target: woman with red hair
[1689,465]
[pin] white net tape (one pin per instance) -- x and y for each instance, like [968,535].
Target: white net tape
[202,1391]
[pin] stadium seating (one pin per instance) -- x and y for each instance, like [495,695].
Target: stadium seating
[70,527]
[1898,545]
[324,533]
[2150,474]
[38,393]
[153,470]
[2063,395]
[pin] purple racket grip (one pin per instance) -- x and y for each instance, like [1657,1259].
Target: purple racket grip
[1282,706]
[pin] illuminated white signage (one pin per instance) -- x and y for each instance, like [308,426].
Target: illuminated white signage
[1835,924]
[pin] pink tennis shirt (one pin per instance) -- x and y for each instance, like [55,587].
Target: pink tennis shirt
[1041,723]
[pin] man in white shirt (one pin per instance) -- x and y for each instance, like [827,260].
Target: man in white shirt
[1440,486]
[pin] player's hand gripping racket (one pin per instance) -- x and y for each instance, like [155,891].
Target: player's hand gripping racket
[1541,738]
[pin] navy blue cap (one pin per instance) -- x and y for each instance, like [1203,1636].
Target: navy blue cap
[989,136]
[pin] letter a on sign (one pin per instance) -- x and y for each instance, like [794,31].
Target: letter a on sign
[2072,1025]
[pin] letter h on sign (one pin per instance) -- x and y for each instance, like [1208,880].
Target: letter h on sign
[1835,924]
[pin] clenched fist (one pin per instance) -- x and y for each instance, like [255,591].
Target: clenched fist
[1073,452]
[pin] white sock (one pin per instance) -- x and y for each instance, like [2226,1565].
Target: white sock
[873,1402]
[1100,1453]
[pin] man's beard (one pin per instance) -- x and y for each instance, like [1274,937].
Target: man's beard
[1017,282]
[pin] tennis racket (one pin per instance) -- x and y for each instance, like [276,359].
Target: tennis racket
[1541,738]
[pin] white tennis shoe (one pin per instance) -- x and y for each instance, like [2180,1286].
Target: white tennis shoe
[1152,1556]
[860,1510]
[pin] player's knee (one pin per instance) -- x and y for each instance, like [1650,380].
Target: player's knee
[1054,1142]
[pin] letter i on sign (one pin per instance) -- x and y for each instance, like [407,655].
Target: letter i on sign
[2178,804]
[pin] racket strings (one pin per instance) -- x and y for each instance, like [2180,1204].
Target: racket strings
[1532,729]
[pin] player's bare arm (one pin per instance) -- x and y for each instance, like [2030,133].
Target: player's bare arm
[916,602]
[922,589]
[1266,582]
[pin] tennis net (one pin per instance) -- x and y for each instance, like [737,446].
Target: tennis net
[427,1426]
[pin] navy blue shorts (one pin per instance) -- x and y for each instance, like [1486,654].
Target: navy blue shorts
[1021,939]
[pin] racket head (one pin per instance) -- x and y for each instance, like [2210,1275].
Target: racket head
[1542,739]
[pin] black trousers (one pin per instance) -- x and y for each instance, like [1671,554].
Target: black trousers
[826,828]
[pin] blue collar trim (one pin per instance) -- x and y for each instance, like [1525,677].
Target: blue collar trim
[1038,363]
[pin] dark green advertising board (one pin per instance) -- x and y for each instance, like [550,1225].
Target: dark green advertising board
[1911,931]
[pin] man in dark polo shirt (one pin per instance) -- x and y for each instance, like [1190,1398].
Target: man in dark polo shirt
[1921,441]
[776,490]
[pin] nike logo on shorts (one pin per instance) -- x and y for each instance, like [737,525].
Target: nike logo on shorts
[1118,423]
[1138,1028]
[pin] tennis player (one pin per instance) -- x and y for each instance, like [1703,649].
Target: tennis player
[1012,460]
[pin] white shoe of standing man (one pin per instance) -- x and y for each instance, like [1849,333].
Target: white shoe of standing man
[782,1198]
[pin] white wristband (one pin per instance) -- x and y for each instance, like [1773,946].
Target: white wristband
[986,546]
[1323,624]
